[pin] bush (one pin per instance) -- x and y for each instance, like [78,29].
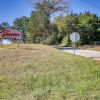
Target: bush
[38,39]
[64,41]
[52,40]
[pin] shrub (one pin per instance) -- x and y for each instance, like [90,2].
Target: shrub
[64,41]
[52,40]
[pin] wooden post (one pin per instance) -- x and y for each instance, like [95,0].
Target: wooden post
[18,44]
[1,42]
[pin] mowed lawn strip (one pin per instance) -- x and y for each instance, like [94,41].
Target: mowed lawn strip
[40,72]
[96,48]
[90,47]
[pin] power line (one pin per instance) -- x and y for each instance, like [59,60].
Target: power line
[91,3]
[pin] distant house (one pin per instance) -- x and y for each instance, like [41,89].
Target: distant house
[6,41]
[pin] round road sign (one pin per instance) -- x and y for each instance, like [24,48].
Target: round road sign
[75,37]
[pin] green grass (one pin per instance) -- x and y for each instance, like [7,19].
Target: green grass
[39,72]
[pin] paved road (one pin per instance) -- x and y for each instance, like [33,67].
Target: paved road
[86,53]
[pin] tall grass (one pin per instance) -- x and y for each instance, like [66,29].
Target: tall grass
[39,72]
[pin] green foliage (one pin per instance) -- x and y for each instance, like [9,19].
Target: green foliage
[39,28]
[85,23]
[71,22]
[60,23]
[39,22]
[67,24]
[98,29]
[21,24]
[38,25]
[88,26]
[51,40]
[64,42]
[50,6]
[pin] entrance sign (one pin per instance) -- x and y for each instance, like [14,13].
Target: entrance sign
[74,37]
[10,33]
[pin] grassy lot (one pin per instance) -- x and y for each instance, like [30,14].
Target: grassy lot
[96,48]
[38,72]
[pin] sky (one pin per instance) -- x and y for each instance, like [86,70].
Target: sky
[11,9]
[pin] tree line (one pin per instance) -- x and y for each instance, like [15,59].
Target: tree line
[39,28]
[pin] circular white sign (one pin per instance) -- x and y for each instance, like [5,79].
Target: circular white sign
[74,37]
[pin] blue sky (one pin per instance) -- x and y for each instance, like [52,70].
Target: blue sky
[11,9]
[86,5]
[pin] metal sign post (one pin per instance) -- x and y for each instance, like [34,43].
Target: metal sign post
[74,37]
[74,48]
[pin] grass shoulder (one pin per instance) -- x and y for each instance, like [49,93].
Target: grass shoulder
[40,72]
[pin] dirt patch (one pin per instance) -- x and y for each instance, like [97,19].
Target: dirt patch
[89,47]
[98,59]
